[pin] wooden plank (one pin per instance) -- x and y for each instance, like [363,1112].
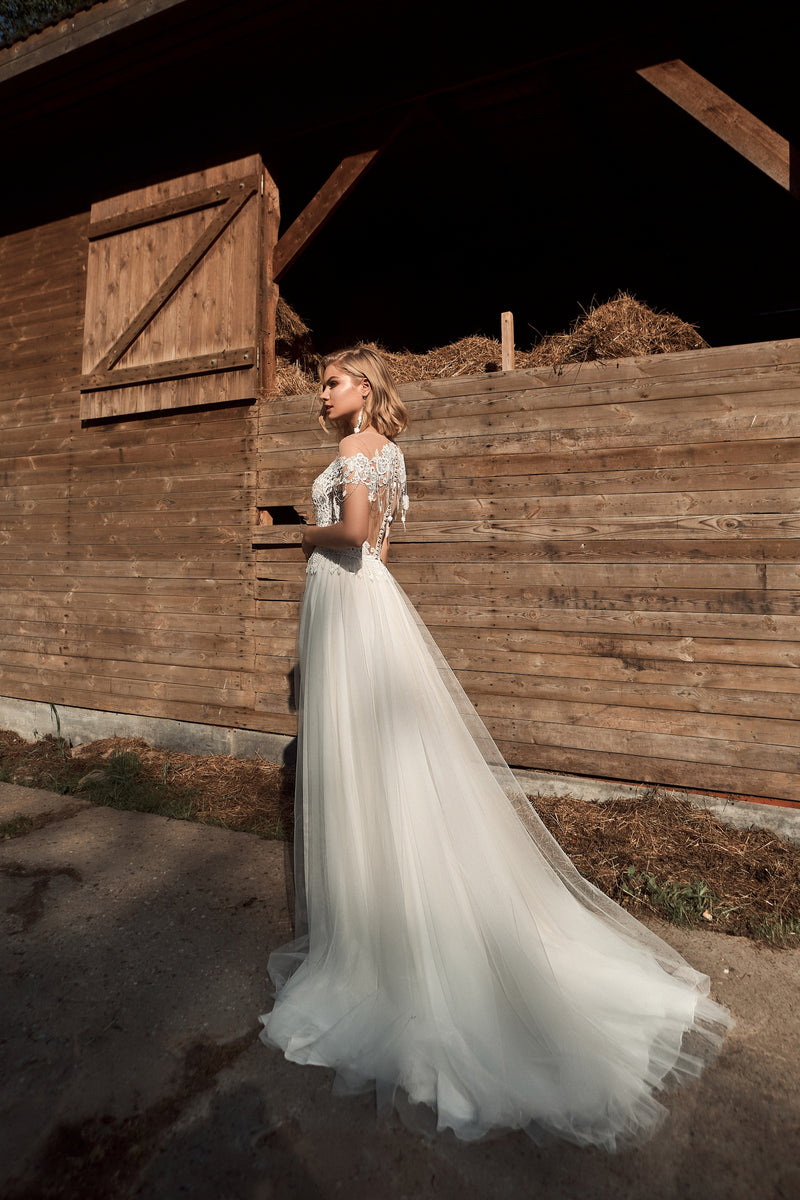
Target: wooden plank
[407,549]
[566,579]
[266,287]
[424,466]
[650,769]
[615,664]
[178,368]
[631,487]
[736,730]
[619,408]
[647,744]
[555,603]
[723,116]
[124,623]
[663,505]
[201,566]
[692,686]
[67,692]
[319,211]
[175,206]
[683,698]
[590,619]
[176,647]
[660,438]
[626,647]
[220,679]
[176,601]
[81,29]
[761,526]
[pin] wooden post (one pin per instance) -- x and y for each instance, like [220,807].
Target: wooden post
[507,326]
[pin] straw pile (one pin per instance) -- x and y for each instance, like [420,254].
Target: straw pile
[623,327]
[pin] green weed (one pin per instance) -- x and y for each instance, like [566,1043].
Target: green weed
[680,903]
[123,783]
[777,929]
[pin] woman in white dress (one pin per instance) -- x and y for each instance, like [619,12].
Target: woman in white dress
[447,948]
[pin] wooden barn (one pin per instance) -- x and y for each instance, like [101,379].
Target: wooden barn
[608,553]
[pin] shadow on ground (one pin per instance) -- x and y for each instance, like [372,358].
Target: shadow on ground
[134,971]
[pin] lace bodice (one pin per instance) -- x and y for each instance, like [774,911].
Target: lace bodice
[384,476]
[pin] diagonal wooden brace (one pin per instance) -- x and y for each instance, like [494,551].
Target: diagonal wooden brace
[319,211]
[754,140]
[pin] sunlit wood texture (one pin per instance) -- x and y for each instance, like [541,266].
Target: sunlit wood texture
[726,118]
[608,556]
[125,546]
[179,295]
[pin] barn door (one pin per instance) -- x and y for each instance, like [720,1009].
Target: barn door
[180,302]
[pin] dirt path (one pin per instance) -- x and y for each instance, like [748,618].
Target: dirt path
[133,964]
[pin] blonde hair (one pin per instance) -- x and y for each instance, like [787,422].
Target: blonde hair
[383,408]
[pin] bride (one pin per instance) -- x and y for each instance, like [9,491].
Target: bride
[447,948]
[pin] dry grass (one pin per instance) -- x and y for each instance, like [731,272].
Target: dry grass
[703,872]
[239,794]
[751,877]
[623,327]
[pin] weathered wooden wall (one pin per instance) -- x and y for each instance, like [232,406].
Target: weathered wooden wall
[125,554]
[608,557]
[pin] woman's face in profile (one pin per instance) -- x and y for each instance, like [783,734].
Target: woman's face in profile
[341,396]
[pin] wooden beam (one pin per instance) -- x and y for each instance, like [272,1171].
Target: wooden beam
[76,31]
[720,114]
[319,210]
[179,368]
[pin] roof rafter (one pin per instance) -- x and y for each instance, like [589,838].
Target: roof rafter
[729,120]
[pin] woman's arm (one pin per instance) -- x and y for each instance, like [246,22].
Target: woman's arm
[353,528]
[350,531]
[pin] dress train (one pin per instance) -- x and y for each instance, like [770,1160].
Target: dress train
[448,947]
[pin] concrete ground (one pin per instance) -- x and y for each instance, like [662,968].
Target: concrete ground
[133,967]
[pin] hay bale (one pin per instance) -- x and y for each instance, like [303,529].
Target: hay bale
[292,379]
[623,327]
[468,356]
[292,335]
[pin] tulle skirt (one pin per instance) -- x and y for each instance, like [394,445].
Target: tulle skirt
[447,947]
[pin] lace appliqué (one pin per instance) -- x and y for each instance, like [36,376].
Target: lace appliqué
[384,476]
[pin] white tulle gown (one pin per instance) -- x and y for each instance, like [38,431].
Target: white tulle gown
[449,949]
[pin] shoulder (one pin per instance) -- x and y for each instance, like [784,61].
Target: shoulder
[350,445]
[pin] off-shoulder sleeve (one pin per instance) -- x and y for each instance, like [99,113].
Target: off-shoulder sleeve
[384,477]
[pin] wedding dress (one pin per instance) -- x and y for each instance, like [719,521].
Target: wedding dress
[447,948]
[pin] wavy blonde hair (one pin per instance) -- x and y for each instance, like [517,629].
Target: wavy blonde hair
[383,408]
